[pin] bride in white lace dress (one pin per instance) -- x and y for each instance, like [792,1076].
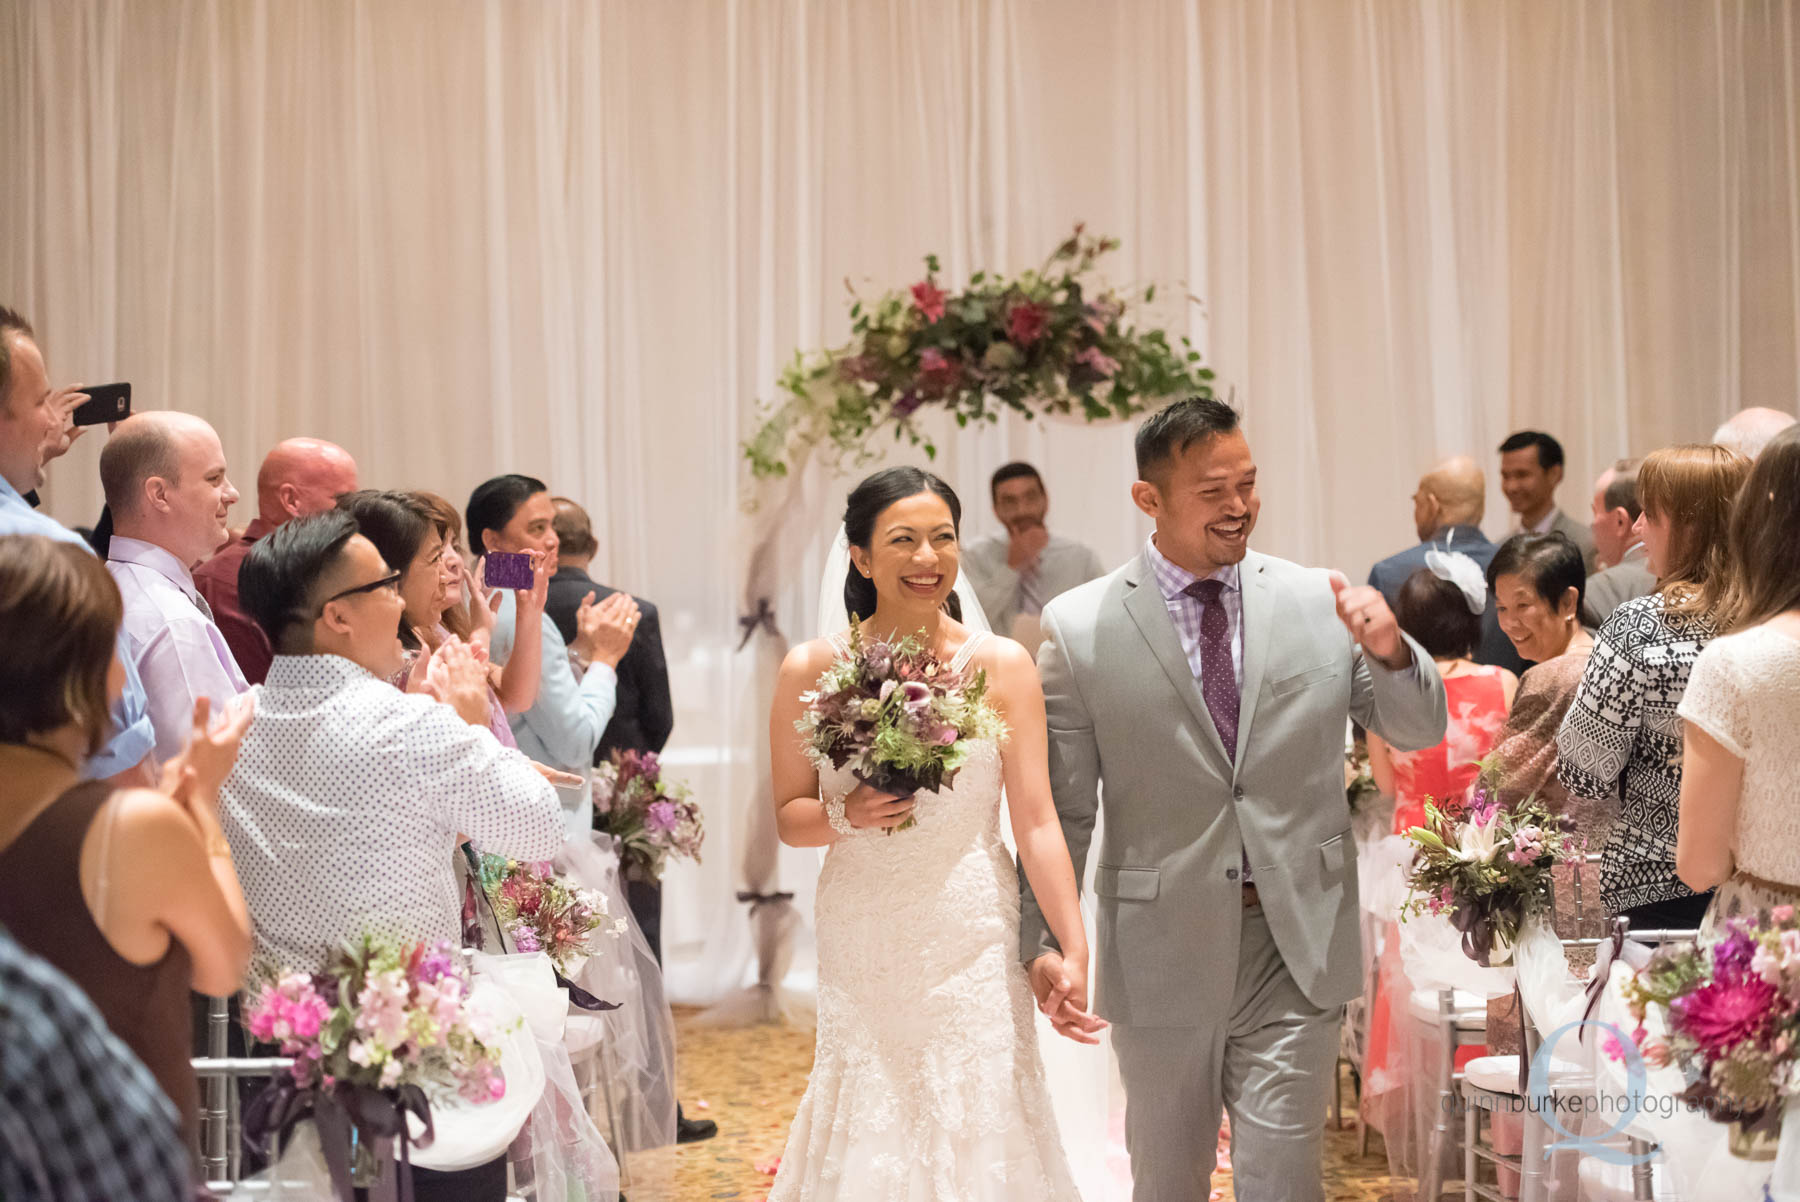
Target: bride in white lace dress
[926,1082]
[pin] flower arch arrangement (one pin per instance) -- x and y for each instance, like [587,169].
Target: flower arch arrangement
[1046,342]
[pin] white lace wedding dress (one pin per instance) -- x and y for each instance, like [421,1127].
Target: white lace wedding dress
[926,1082]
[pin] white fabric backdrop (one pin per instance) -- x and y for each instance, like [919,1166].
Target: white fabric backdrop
[577,240]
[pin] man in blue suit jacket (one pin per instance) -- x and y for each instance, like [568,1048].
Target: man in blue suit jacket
[1447,512]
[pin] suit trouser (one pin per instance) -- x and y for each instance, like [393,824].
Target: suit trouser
[1269,1066]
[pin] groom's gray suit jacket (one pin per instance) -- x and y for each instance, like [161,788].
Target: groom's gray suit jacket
[1124,707]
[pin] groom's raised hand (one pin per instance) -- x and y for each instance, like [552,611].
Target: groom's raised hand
[1061,992]
[1365,614]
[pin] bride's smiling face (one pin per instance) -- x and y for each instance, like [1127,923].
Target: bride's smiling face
[912,554]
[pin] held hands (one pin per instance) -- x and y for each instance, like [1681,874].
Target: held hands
[193,777]
[603,631]
[867,807]
[1365,614]
[1060,987]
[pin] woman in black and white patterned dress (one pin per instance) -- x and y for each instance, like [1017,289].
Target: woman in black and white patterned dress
[1622,737]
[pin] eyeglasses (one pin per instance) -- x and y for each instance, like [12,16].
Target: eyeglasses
[374,586]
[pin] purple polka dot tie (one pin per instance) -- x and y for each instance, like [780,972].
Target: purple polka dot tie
[1218,677]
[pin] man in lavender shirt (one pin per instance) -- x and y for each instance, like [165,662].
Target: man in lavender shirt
[165,480]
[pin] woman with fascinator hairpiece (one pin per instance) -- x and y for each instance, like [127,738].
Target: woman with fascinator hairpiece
[1441,607]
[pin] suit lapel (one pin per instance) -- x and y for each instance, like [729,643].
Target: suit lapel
[1146,606]
[1259,604]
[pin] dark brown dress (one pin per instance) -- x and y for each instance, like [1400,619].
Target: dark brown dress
[41,904]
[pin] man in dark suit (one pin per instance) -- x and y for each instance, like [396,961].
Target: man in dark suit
[1447,511]
[643,714]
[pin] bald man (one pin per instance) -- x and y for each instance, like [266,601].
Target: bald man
[1447,512]
[301,476]
[1749,430]
[166,484]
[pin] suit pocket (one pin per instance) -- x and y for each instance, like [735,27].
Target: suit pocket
[1300,680]
[1131,884]
[1334,853]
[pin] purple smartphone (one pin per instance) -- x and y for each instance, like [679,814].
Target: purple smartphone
[506,569]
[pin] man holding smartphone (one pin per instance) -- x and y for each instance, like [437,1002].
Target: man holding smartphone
[33,422]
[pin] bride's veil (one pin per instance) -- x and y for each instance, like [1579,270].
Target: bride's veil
[1083,1085]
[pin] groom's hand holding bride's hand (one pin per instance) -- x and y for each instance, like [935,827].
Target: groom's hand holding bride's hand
[1061,990]
[1365,614]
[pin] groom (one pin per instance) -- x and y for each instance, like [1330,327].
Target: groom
[1208,685]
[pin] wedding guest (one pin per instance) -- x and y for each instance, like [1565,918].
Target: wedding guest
[300,476]
[132,891]
[165,482]
[1748,431]
[80,1116]
[578,684]
[1621,739]
[31,415]
[348,795]
[1740,818]
[1531,467]
[1623,573]
[1447,510]
[1017,571]
[644,713]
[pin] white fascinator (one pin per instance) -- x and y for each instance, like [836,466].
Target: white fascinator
[1463,572]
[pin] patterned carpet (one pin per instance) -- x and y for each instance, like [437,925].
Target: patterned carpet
[749,1080]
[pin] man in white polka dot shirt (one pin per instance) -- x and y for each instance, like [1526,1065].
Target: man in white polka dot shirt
[348,796]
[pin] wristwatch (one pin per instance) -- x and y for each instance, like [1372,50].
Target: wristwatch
[834,814]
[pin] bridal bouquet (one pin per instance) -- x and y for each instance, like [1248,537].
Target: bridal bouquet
[1733,1017]
[541,912]
[900,720]
[383,1030]
[1488,868]
[651,816]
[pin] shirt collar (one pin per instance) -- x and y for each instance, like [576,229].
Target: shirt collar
[1544,526]
[314,672]
[1635,553]
[156,559]
[1173,580]
[12,496]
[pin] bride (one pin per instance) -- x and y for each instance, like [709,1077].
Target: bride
[926,1082]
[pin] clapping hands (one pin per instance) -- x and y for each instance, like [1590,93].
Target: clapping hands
[1061,990]
[603,630]
[455,674]
[193,777]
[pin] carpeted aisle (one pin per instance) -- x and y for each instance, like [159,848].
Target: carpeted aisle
[750,1080]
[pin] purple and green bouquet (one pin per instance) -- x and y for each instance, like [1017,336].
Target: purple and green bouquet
[1488,867]
[894,715]
[541,912]
[652,817]
[1733,1016]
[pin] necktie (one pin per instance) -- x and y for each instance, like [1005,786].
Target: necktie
[1218,675]
[201,605]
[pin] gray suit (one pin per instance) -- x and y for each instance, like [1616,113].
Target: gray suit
[1214,1003]
[1579,533]
[1614,586]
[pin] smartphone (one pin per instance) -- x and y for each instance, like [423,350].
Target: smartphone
[506,569]
[105,403]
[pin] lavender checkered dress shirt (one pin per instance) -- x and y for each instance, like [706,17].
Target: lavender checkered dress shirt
[1186,611]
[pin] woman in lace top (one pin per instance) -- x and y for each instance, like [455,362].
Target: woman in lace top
[1740,817]
[1621,738]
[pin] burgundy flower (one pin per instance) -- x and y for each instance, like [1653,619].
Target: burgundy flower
[938,373]
[1725,1011]
[928,299]
[1025,323]
[908,404]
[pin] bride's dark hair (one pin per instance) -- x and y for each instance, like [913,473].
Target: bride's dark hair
[866,502]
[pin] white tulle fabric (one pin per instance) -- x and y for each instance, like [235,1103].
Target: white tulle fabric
[926,1082]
